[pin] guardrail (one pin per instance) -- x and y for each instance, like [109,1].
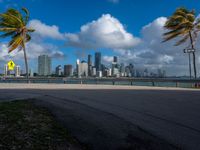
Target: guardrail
[169,82]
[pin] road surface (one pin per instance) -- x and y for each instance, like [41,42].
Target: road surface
[119,117]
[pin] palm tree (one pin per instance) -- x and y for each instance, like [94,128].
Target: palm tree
[183,24]
[14,24]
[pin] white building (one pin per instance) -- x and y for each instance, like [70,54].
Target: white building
[99,74]
[30,72]
[17,71]
[115,72]
[94,72]
[82,69]
[109,72]
[6,71]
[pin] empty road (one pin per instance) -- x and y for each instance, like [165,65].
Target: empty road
[119,117]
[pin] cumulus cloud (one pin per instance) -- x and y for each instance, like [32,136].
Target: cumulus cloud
[33,51]
[153,53]
[46,31]
[106,32]
[107,59]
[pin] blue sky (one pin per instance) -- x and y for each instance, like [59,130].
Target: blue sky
[69,15]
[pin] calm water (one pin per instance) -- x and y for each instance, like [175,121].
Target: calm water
[136,83]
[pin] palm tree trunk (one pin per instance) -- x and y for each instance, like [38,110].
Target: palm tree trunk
[194,64]
[26,64]
[193,54]
[190,70]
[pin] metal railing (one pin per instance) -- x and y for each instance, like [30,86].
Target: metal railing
[166,82]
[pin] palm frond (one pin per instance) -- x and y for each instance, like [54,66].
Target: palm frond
[15,42]
[15,13]
[167,38]
[7,29]
[5,24]
[27,15]
[13,24]
[11,18]
[185,38]
[179,25]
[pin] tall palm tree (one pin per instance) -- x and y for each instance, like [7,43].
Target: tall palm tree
[183,24]
[14,24]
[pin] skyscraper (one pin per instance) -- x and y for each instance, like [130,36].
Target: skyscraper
[89,60]
[59,70]
[122,70]
[98,61]
[44,65]
[6,71]
[115,59]
[90,65]
[68,70]
[82,69]
[17,71]
[132,70]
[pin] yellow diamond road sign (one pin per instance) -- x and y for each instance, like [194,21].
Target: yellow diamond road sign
[11,65]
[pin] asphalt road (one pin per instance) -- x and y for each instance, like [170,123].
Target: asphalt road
[122,118]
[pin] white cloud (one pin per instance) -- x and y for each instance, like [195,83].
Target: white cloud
[46,31]
[106,32]
[108,59]
[33,51]
[153,53]
[4,52]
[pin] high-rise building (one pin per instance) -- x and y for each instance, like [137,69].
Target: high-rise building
[77,67]
[132,70]
[161,73]
[89,60]
[89,65]
[127,72]
[44,65]
[68,70]
[99,74]
[6,71]
[98,61]
[17,71]
[31,72]
[122,70]
[94,72]
[115,59]
[82,69]
[59,70]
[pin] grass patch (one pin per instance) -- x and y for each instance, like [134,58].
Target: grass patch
[25,126]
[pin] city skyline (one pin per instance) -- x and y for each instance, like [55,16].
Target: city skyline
[141,43]
[90,68]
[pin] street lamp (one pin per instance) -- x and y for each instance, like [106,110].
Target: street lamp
[189,50]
